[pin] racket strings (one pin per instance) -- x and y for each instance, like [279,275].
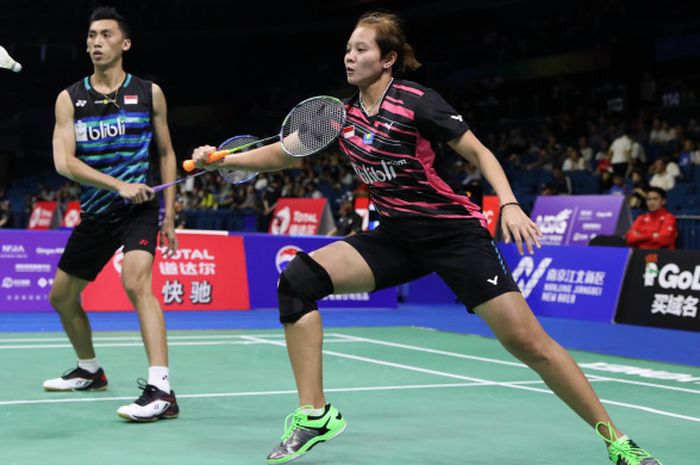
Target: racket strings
[245,143]
[312,125]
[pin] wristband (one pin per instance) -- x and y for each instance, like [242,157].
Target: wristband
[507,204]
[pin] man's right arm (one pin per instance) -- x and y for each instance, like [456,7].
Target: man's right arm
[68,165]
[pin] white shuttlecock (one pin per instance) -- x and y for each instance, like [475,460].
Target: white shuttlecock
[7,62]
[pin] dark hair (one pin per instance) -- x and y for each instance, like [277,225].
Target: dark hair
[109,12]
[390,38]
[658,190]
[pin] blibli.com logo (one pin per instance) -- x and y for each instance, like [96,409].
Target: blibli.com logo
[285,255]
[105,129]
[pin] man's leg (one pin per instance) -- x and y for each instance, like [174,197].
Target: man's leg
[65,299]
[137,279]
[158,400]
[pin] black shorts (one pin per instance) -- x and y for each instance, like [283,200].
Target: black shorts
[461,252]
[93,242]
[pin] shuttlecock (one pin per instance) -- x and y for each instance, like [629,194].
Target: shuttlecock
[7,62]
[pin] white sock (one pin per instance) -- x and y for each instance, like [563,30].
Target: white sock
[160,378]
[89,364]
[314,412]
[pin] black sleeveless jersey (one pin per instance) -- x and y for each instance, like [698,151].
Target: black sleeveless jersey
[113,135]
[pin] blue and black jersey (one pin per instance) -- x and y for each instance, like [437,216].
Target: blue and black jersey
[113,135]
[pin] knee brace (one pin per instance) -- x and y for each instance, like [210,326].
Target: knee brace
[301,284]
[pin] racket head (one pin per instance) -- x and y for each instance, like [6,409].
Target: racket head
[312,125]
[238,176]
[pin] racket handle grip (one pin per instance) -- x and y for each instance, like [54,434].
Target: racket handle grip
[188,165]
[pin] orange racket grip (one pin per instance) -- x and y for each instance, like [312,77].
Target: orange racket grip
[188,165]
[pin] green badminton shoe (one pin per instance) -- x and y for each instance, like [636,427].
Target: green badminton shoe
[624,451]
[302,432]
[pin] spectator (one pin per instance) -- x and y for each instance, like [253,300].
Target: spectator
[574,161]
[656,229]
[179,215]
[619,186]
[561,182]
[687,158]
[639,190]
[349,222]
[585,149]
[621,153]
[5,214]
[661,178]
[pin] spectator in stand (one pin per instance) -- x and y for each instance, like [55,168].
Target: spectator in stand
[619,186]
[639,190]
[586,150]
[688,157]
[672,167]
[179,220]
[561,182]
[602,154]
[661,177]
[5,214]
[656,229]
[348,222]
[637,153]
[574,161]
[667,133]
[621,153]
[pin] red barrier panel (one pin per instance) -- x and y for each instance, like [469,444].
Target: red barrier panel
[208,272]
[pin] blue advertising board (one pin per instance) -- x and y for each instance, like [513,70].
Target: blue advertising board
[576,219]
[582,283]
[267,255]
[28,261]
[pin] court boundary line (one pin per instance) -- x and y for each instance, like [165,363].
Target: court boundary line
[494,383]
[254,393]
[505,362]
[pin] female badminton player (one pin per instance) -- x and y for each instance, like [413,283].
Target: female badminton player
[392,139]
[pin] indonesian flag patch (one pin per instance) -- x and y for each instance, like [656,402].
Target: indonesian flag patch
[348,132]
[131,99]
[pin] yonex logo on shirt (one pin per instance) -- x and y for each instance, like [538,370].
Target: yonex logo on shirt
[370,175]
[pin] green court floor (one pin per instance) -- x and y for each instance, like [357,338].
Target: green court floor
[411,396]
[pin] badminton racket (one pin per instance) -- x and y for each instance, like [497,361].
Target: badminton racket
[7,62]
[311,126]
[239,143]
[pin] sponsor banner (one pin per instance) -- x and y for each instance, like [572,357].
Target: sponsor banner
[301,217]
[71,218]
[362,208]
[576,219]
[662,288]
[42,215]
[491,209]
[570,282]
[208,272]
[267,256]
[27,267]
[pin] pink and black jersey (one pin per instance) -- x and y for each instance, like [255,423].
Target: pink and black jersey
[395,153]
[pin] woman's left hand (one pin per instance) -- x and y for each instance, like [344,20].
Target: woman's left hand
[519,228]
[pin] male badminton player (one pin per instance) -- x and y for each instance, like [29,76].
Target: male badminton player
[392,139]
[105,124]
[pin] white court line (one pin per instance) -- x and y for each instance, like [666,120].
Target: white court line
[505,362]
[140,344]
[138,338]
[486,382]
[241,394]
